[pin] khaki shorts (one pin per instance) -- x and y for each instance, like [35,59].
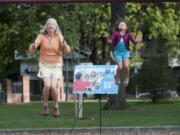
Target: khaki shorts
[50,70]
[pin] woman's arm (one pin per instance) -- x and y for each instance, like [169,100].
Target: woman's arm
[111,38]
[132,39]
[34,46]
[66,48]
[135,41]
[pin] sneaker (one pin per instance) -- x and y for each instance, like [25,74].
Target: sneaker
[126,83]
[45,110]
[56,112]
[117,81]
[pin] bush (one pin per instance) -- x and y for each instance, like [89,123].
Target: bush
[156,78]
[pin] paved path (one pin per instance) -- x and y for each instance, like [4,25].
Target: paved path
[168,130]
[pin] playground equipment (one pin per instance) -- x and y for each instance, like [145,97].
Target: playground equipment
[77,1]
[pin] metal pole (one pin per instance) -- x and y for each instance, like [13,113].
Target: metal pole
[78,1]
[66,79]
[100,114]
[80,105]
[64,33]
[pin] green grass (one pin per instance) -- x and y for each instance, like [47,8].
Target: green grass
[28,116]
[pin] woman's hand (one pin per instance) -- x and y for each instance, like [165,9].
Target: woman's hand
[111,54]
[109,41]
[66,49]
[32,48]
[139,39]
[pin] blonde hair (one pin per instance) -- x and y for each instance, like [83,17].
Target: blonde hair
[44,29]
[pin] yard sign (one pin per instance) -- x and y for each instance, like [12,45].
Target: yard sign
[96,79]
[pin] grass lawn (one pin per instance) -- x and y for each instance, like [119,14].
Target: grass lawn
[28,115]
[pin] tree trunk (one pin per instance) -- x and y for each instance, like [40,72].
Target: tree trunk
[117,12]
[117,101]
[105,51]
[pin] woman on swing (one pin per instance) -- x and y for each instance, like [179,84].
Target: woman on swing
[51,44]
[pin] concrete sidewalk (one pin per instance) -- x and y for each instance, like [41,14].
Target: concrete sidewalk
[167,130]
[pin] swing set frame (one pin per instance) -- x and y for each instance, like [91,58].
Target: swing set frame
[79,1]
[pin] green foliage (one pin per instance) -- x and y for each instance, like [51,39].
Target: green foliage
[156,21]
[154,76]
[85,27]
[160,26]
[161,22]
[11,30]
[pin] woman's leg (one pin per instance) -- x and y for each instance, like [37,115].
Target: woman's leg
[46,90]
[119,69]
[126,67]
[54,91]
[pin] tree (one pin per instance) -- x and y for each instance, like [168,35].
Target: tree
[17,34]
[117,101]
[86,24]
[155,77]
[88,21]
[11,33]
[156,22]
[160,28]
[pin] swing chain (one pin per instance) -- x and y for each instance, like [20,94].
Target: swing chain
[28,6]
[143,7]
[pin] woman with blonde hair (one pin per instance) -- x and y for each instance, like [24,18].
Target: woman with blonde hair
[51,44]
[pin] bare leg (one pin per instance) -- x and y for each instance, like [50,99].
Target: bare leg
[54,91]
[46,90]
[126,67]
[119,69]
